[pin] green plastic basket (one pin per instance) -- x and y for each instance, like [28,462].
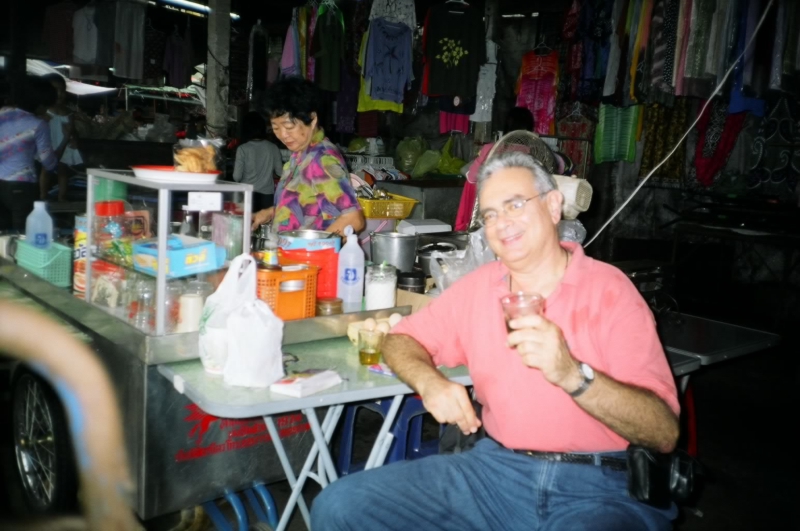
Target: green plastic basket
[53,264]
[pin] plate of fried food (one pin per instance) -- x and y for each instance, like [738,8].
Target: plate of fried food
[170,174]
[194,164]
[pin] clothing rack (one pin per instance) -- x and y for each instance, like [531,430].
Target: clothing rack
[135,91]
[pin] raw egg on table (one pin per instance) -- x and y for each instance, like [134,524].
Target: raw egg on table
[394,319]
[383,326]
[370,324]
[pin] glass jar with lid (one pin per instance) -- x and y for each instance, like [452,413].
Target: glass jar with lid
[380,286]
[329,306]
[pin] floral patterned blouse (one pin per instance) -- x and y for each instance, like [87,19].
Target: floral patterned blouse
[315,188]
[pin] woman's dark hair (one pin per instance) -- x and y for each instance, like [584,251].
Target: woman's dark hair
[253,126]
[519,119]
[34,91]
[294,96]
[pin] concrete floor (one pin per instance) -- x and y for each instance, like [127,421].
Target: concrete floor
[746,411]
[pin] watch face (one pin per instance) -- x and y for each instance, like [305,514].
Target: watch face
[587,371]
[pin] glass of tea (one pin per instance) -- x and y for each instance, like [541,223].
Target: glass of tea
[520,304]
[369,346]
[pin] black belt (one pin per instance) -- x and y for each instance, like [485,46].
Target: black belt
[614,463]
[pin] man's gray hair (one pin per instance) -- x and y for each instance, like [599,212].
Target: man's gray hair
[543,180]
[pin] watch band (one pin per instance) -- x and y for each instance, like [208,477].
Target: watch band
[584,384]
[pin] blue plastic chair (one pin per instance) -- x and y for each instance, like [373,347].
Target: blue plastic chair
[407,432]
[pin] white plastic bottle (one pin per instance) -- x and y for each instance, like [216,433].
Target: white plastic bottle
[350,281]
[39,226]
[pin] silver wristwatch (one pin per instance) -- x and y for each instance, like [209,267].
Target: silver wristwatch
[588,377]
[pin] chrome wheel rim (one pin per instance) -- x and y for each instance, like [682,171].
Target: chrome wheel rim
[34,442]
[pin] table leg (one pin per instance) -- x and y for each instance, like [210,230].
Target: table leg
[684,383]
[320,444]
[324,453]
[378,453]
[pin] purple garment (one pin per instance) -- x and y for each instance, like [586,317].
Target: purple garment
[347,101]
[289,60]
[22,137]
[740,102]
[388,61]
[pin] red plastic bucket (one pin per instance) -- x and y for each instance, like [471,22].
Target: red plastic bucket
[327,260]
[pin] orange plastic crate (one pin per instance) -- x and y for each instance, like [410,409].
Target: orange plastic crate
[289,305]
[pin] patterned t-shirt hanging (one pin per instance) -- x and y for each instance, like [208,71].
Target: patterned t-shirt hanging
[454,50]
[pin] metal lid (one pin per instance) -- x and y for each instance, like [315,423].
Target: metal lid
[411,279]
[289,286]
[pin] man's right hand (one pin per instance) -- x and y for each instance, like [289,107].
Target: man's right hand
[449,403]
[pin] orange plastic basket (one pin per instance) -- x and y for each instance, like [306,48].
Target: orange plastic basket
[290,294]
[327,260]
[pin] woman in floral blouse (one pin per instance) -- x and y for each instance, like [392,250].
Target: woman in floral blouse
[314,191]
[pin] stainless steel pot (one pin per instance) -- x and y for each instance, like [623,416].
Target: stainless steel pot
[394,248]
[424,254]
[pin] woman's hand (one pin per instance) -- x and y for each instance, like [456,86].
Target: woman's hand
[262,216]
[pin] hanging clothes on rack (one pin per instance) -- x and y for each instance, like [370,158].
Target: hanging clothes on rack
[312,24]
[663,127]
[577,126]
[302,40]
[257,60]
[58,33]
[174,60]
[155,46]
[84,51]
[347,101]
[487,79]
[105,15]
[402,11]
[129,40]
[365,101]
[454,50]
[536,89]
[388,60]
[327,48]
[717,133]
[290,59]
[617,132]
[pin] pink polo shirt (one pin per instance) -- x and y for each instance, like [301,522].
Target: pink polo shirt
[605,321]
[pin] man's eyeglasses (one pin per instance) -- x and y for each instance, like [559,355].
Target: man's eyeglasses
[513,209]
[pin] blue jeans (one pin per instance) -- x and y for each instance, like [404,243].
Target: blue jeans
[484,489]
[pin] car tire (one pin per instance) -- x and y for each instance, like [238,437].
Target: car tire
[42,447]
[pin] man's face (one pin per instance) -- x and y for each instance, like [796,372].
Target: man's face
[519,237]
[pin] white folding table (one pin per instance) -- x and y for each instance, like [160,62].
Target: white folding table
[213,396]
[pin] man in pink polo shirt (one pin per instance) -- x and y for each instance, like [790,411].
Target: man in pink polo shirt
[563,393]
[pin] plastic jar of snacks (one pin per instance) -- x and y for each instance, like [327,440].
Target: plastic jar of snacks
[380,287]
[329,307]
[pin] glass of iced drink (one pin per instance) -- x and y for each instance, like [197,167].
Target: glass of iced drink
[520,304]
[369,346]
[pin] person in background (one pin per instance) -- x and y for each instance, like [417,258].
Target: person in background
[258,161]
[24,137]
[564,391]
[62,137]
[314,191]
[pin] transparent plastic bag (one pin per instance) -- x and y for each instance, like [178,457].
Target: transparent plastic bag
[198,156]
[449,164]
[571,230]
[409,150]
[447,267]
[426,163]
[357,145]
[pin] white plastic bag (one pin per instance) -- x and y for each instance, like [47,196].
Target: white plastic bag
[236,288]
[254,346]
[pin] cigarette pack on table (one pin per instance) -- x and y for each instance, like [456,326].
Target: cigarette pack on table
[306,383]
